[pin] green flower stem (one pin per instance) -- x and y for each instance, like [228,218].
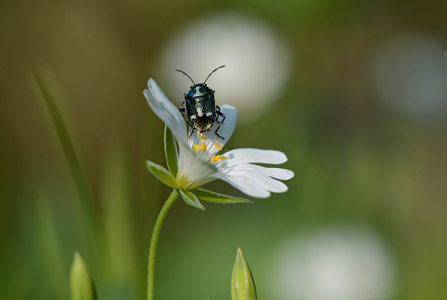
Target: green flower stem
[154,241]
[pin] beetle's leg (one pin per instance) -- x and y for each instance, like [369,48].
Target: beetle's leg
[217,129]
[193,128]
[181,107]
[219,113]
[191,132]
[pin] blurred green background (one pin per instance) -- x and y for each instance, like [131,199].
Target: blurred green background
[360,112]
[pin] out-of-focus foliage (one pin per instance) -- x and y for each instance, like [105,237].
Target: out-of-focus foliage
[82,287]
[366,145]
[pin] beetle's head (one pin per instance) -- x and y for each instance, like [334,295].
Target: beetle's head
[199,90]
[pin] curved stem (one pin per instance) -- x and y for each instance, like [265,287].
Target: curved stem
[154,241]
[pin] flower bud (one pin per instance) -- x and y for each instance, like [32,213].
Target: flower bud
[242,283]
[81,284]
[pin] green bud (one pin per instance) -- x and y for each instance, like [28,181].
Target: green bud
[242,283]
[81,284]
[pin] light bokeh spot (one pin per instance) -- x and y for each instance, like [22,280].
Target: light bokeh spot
[257,59]
[346,263]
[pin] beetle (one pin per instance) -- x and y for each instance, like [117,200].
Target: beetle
[200,106]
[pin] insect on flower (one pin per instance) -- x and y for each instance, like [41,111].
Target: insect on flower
[200,106]
[199,157]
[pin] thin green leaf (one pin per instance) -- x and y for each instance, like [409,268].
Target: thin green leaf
[45,89]
[191,200]
[161,173]
[51,101]
[214,197]
[170,151]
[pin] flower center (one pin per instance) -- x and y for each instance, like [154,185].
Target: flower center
[215,158]
[218,146]
[201,147]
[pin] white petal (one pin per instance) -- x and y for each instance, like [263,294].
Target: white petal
[260,180]
[248,187]
[193,170]
[249,155]
[277,173]
[227,128]
[165,110]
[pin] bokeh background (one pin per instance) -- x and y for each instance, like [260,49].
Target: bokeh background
[355,92]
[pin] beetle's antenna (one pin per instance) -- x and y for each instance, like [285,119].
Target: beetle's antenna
[213,72]
[186,74]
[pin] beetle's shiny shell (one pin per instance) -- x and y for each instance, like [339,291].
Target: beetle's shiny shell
[201,106]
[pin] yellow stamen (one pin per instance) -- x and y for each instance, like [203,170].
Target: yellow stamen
[218,146]
[202,137]
[201,147]
[215,158]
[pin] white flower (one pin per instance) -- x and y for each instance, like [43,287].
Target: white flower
[200,159]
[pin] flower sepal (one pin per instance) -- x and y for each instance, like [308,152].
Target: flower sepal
[161,174]
[219,198]
[170,151]
[191,199]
